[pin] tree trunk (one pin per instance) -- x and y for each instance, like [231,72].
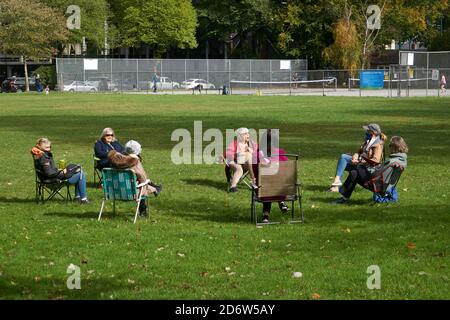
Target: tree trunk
[27,83]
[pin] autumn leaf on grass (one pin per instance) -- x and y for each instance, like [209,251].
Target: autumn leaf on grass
[315,296]
[411,245]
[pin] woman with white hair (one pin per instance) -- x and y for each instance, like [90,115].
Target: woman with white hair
[240,156]
[105,144]
[131,159]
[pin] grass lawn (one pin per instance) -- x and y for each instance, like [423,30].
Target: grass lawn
[199,242]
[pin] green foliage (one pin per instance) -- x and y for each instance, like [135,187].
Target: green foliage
[159,23]
[94,13]
[47,75]
[30,29]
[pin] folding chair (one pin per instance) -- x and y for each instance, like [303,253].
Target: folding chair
[121,185]
[229,174]
[49,187]
[385,182]
[278,182]
[97,172]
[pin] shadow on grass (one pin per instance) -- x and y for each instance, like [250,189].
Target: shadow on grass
[222,186]
[28,200]
[55,288]
[318,188]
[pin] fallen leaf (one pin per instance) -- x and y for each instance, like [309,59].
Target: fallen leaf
[423,273]
[232,273]
[227,269]
[263,241]
[297,274]
[131,281]
[180,254]
[411,245]
[315,296]
[204,274]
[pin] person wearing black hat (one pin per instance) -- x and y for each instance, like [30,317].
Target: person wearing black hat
[369,153]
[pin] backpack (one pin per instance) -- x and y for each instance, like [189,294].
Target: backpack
[391,196]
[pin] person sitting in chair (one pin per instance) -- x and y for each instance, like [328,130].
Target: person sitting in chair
[271,154]
[43,159]
[240,155]
[131,159]
[371,151]
[363,173]
[105,144]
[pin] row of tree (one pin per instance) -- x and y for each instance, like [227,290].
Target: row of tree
[342,33]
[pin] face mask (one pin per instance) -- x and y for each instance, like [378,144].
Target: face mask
[368,136]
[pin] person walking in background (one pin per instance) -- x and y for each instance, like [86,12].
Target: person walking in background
[155,80]
[443,85]
[38,83]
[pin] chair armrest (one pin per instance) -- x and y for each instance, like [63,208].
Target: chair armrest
[143,183]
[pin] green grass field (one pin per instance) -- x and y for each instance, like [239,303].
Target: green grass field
[199,242]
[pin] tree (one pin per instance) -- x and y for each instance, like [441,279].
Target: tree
[304,28]
[94,14]
[159,23]
[30,29]
[400,19]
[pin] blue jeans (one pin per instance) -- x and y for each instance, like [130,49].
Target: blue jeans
[79,180]
[344,164]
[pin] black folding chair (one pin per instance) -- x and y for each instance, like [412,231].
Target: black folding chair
[97,172]
[47,189]
[277,182]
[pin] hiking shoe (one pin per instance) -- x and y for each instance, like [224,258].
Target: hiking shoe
[341,200]
[333,189]
[283,206]
[158,188]
[234,189]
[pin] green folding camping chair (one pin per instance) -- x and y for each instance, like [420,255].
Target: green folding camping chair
[121,185]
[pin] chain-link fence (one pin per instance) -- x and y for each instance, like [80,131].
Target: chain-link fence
[417,74]
[172,74]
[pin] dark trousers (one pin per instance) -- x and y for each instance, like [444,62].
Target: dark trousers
[359,175]
[267,206]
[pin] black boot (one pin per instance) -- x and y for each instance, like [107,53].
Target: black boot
[143,210]
[158,188]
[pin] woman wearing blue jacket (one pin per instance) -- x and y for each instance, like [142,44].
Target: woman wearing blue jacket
[104,145]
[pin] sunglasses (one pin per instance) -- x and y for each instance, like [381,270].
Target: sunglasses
[109,135]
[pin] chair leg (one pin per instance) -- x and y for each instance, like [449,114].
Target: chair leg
[253,205]
[300,204]
[101,210]
[138,204]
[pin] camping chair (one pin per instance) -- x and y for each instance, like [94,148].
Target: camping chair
[278,182]
[121,185]
[383,184]
[229,174]
[50,187]
[97,172]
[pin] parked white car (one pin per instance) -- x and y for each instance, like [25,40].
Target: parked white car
[165,83]
[193,83]
[80,86]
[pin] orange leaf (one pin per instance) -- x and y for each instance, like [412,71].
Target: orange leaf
[315,296]
[411,245]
